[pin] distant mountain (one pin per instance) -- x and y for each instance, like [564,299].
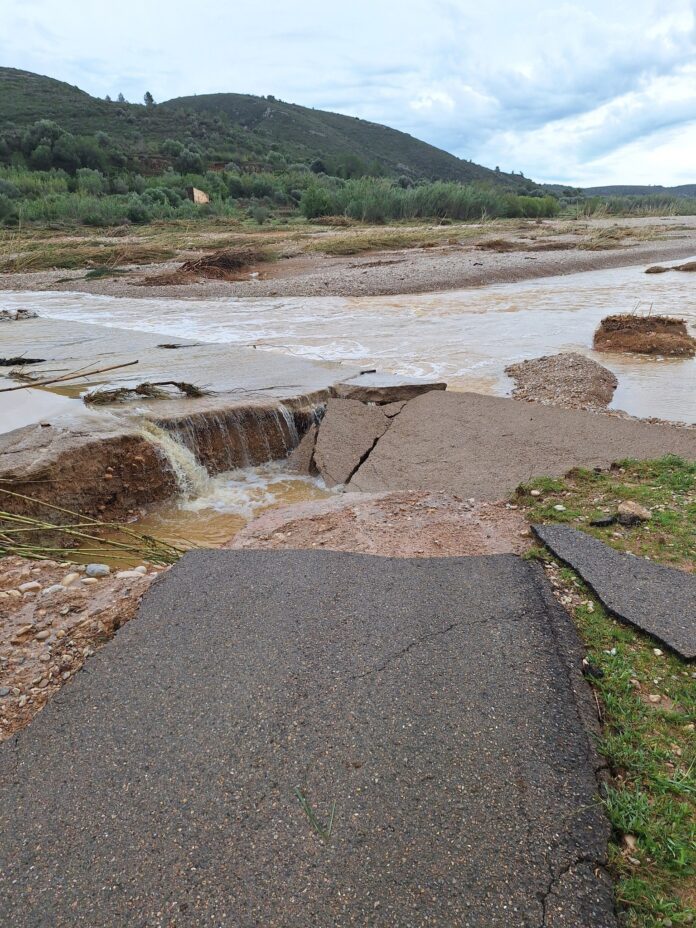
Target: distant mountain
[233,127]
[626,190]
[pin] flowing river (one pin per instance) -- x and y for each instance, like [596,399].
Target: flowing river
[466,337]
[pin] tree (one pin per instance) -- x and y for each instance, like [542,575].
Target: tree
[149,99]
[121,98]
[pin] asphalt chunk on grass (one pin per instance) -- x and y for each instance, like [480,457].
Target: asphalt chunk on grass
[645,695]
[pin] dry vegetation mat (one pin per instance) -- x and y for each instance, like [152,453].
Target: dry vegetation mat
[655,335]
[220,265]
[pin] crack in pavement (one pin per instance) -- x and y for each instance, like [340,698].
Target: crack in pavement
[374,444]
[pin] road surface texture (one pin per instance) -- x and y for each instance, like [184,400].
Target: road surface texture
[436,702]
[659,600]
[485,446]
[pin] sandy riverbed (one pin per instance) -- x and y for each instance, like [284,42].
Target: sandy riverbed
[468,257]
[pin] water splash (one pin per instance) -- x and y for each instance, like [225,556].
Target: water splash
[192,479]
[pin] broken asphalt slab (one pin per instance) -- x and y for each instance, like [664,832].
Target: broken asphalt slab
[437,703]
[347,435]
[468,444]
[656,599]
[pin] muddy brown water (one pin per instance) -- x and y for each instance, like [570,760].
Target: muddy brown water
[465,337]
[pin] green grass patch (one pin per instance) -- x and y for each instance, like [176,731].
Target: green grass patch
[647,695]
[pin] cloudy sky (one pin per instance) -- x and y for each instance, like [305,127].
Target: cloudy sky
[582,91]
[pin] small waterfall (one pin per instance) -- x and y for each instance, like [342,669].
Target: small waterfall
[192,479]
[213,442]
[289,420]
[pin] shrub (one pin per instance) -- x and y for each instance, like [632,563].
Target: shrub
[316,201]
[137,210]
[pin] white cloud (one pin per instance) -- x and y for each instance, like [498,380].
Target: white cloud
[561,90]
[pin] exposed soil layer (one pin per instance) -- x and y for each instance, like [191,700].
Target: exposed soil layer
[570,380]
[47,632]
[657,335]
[110,473]
[391,525]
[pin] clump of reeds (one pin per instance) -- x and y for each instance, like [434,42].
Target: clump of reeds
[43,539]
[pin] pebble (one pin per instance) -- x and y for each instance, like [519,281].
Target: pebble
[129,575]
[535,492]
[657,652]
[69,579]
[4,691]
[42,636]
[654,697]
[142,569]
[97,570]
[559,507]
[53,588]
[22,701]
[88,581]
[29,587]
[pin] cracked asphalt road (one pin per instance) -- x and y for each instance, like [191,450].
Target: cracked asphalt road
[437,702]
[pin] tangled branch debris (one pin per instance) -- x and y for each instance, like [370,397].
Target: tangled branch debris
[220,265]
[149,390]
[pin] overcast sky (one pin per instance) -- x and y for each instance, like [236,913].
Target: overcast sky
[582,92]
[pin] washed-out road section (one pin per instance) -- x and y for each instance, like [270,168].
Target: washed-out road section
[434,704]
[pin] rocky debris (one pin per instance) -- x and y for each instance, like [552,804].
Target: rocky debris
[52,618]
[468,444]
[348,433]
[656,599]
[631,513]
[391,525]
[373,387]
[567,379]
[17,315]
[654,335]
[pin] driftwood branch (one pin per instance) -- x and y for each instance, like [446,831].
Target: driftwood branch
[73,376]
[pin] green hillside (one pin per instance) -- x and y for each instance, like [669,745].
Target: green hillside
[327,135]
[637,190]
[232,128]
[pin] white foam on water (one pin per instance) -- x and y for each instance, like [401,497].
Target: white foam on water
[466,337]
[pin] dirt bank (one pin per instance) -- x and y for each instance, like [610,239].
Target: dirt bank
[52,617]
[665,336]
[370,261]
[392,525]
